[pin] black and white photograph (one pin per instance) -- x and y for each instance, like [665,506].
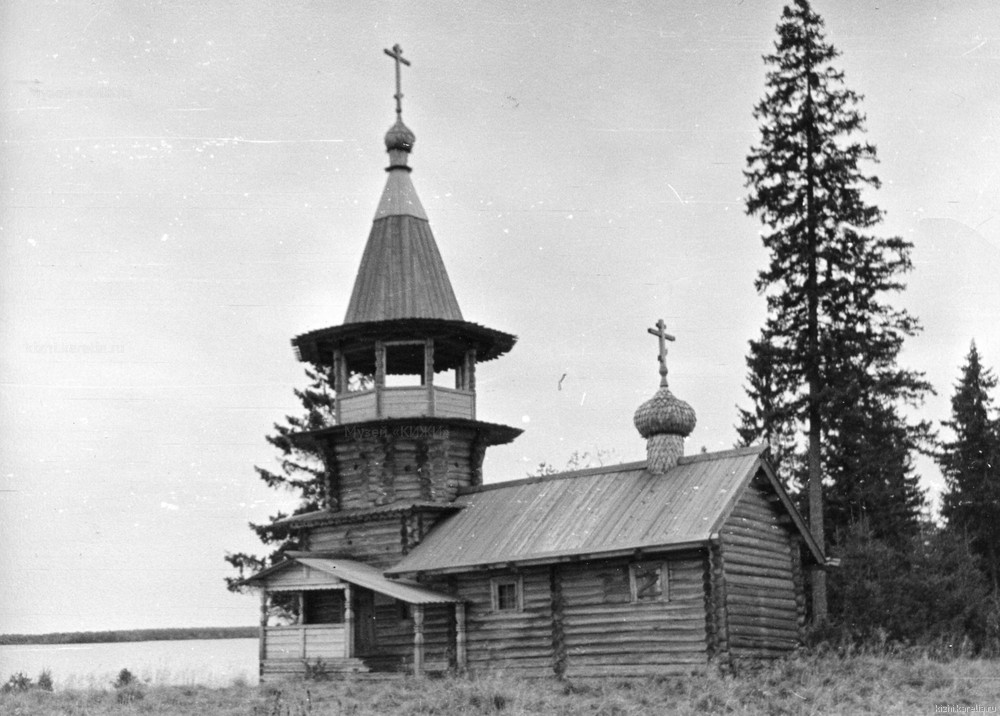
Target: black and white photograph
[446,357]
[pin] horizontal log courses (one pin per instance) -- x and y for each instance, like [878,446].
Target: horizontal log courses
[761,598]
[378,543]
[604,628]
[521,641]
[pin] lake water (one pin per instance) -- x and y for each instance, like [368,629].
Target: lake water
[207,662]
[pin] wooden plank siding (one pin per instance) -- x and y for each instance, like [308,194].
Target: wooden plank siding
[764,606]
[607,633]
[356,407]
[299,577]
[405,402]
[304,642]
[454,403]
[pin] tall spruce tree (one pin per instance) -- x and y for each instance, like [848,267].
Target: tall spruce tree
[301,471]
[971,465]
[826,391]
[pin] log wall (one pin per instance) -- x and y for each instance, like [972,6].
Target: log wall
[607,633]
[762,602]
[378,543]
[379,465]
[519,642]
[580,620]
[394,637]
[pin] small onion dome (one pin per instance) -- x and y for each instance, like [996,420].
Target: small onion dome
[663,414]
[399,136]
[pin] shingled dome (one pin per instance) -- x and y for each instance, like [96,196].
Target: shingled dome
[664,421]
[664,414]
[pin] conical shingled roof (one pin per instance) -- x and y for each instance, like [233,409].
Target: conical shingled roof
[402,274]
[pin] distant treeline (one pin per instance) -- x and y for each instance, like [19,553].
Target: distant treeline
[100,637]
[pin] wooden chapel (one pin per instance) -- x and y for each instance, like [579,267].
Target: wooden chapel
[415,565]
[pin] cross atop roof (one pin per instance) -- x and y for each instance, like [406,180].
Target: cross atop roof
[661,332]
[396,53]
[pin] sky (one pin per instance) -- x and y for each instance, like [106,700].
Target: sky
[185,186]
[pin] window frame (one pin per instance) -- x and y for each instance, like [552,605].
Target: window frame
[662,568]
[496,583]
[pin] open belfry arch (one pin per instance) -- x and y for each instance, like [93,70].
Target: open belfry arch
[413,564]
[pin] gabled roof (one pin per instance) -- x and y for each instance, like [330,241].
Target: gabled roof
[604,511]
[357,573]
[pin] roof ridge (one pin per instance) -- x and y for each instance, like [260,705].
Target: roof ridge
[619,467]
[757,449]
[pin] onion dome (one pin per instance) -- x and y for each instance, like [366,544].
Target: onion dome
[664,414]
[399,137]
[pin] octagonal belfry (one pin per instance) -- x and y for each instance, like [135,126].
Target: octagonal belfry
[403,364]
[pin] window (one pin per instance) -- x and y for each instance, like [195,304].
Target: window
[648,581]
[507,594]
[404,365]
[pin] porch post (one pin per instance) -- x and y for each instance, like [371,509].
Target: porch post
[302,621]
[261,653]
[348,623]
[418,639]
[460,657]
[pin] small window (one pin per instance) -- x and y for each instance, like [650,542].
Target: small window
[507,594]
[403,611]
[649,581]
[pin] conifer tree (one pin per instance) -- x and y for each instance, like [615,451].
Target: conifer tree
[971,464]
[824,367]
[302,471]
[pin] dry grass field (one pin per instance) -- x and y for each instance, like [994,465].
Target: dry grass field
[828,684]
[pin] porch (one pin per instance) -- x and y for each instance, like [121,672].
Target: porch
[346,617]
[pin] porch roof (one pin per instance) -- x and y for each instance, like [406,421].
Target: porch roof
[358,574]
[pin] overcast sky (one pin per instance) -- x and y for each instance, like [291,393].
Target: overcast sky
[187,185]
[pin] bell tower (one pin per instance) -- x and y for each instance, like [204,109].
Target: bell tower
[403,363]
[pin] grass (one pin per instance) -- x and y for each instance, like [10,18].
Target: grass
[809,684]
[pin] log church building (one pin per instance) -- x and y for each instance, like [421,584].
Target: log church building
[414,565]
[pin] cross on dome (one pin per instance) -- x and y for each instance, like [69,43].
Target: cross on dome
[396,53]
[661,332]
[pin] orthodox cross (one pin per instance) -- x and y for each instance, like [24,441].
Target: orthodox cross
[661,332]
[396,53]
